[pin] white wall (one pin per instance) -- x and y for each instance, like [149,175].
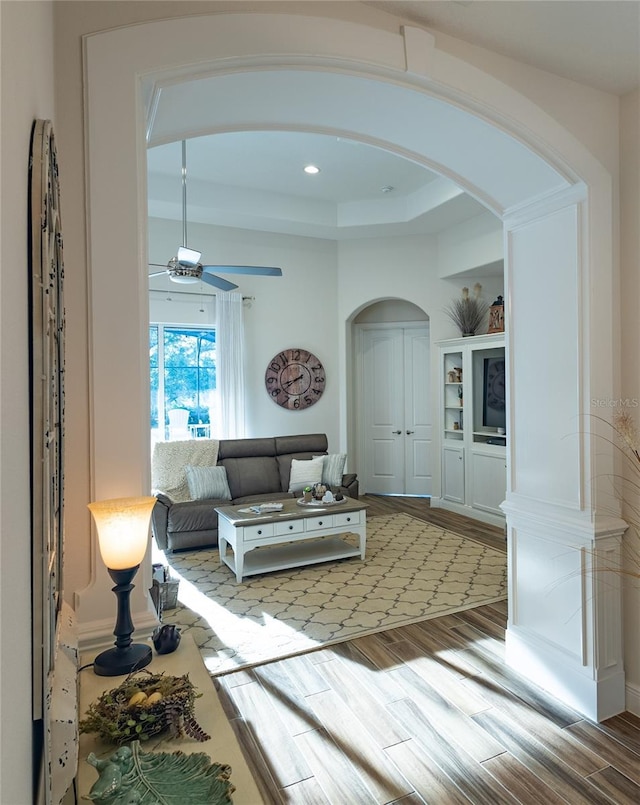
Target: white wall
[27,33]
[590,115]
[26,50]
[404,268]
[298,309]
[301,307]
[473,243]
[630,375]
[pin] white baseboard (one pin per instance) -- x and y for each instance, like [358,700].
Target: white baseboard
[632,695]
[468,511]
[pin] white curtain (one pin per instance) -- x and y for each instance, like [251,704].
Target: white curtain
[230,364]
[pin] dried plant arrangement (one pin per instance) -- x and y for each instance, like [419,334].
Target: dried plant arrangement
[145,705]
[469,312]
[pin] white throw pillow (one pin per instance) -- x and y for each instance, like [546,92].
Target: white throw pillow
[333,468]
[305,473]
[207,483]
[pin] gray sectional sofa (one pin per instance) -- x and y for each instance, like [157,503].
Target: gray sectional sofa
[257,471]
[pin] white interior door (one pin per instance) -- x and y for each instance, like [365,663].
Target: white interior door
[418,429]
[395,422]
[383,409]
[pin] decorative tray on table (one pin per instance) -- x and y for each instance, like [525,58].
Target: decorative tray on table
[316,503]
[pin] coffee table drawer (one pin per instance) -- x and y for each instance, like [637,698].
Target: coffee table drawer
[256,532]
[347,519]
[318,523]
[289,527]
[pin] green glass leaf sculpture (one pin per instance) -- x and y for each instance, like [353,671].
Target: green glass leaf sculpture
[133,777]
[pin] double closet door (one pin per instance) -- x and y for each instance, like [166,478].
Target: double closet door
[394,409]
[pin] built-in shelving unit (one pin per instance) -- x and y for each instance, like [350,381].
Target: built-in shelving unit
[473,426]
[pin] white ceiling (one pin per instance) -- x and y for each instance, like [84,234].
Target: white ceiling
[594,42]
[254,180]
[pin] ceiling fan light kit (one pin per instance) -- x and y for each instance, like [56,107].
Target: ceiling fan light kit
[183,274]
[186,267]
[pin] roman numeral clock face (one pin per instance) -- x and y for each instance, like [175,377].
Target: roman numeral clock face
[295,379]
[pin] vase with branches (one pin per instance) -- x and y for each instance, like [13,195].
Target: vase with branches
[469,312]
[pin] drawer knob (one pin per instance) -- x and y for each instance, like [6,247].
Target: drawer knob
[348,519]
[259,531]
[320,522]
[290,528]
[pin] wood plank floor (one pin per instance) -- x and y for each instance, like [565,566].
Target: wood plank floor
[426,713]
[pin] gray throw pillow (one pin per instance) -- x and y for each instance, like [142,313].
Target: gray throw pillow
[333,469]
[207,483]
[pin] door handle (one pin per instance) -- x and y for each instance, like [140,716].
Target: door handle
[397,432]
[409,432]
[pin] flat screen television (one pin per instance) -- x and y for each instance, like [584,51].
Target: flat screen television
[494,413]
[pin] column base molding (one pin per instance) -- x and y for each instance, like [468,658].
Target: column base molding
[595,699]
[565,604]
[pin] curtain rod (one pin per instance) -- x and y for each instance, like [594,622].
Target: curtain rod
[195,293]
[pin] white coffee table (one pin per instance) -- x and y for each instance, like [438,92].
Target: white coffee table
[295,536]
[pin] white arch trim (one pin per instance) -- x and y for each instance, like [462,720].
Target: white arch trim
[551,188]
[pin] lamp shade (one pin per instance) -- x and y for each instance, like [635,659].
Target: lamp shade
[123,530]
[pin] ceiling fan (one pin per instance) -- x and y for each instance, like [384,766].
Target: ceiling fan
[186,267]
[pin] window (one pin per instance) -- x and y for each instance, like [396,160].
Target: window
[182,365]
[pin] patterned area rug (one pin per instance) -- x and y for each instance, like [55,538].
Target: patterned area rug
[412,571]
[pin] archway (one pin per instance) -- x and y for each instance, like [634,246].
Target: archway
[554,200]
[391,398]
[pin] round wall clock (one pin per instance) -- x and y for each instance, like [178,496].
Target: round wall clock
[295,379]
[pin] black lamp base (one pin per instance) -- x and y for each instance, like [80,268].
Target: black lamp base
[117,661]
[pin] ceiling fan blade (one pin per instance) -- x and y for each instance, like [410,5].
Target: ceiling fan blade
[188,257]
[218,282]
[265,271]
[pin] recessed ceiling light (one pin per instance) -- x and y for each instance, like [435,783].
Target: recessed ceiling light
[312,169]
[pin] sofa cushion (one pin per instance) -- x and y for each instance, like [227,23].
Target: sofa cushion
[194,515]
[252,476]
[305,473]
[284,465]
[333,469]
[263,498]
[247,448]
[312,443]
[207,482]
[169,460]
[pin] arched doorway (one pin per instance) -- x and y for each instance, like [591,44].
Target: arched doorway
[392,399]
[394,90]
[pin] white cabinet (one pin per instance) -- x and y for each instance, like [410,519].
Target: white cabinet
[488,481]
[453,473]
[473,425]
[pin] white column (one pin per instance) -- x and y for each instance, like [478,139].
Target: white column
[565,609]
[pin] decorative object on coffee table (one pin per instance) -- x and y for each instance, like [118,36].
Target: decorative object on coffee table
[147,778]
[295,379]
